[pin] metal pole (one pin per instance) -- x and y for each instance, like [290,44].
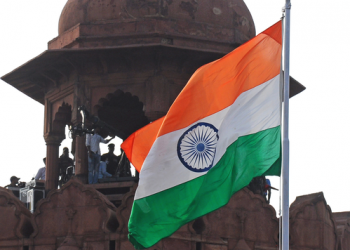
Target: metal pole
[285,141]
[281,115]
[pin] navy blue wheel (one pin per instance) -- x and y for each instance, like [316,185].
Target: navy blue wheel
[196,147]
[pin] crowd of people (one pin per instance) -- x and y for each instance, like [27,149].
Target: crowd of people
[107,165]
[111,165]
[99,166]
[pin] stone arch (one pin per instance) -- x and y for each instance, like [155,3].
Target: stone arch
[123,111]
[53,141]
[62,118]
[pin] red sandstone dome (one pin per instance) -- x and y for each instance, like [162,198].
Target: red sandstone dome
[227,20]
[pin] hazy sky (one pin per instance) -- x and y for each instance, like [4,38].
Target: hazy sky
[319,117]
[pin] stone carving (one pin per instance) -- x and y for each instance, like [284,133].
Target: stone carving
[311,223]
[69,242]
[246,217]
[79,217]
[124,210]
[342,221]
[345,239]
[242,245]
[70,215]
[15,218]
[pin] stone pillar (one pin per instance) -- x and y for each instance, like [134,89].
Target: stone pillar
[81,91]
[81,160]
[53,143]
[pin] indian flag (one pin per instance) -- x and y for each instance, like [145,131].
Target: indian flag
[221,131]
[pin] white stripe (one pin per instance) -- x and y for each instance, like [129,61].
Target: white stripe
[253,111]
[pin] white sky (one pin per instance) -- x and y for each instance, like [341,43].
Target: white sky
[319,117]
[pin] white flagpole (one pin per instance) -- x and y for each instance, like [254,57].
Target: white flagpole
[285,141]
[281,113]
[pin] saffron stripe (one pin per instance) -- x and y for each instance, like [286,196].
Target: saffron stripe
[218,84]
[255,110]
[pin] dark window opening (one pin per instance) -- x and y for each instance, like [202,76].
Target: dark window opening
[112,245]
[198,226]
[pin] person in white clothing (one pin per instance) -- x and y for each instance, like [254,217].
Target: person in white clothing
[41,172]
[93,146]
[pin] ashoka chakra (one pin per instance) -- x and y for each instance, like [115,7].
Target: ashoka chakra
[197,146]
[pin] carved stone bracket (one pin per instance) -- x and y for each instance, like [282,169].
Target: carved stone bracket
[53,139]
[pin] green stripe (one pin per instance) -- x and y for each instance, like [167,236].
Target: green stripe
[159,215]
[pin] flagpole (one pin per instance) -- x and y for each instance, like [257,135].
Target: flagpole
[285,141]
[281,115]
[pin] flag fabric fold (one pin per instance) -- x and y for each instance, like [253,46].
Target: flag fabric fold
[221,131]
